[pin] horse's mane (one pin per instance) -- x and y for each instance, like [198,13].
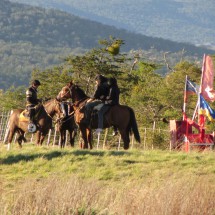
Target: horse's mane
[80,92]
[47,100]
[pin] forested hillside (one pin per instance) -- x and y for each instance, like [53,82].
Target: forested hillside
[33,37]
[178,20]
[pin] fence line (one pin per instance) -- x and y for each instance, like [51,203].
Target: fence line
[150,137]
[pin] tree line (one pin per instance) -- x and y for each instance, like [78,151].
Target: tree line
[155,98]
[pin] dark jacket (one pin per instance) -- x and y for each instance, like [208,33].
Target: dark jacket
[113,97]
[102,89]
[31,96]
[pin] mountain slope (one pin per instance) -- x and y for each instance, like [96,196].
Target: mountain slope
[33,37]
[178,20]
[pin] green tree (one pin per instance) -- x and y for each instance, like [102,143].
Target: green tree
[12,98]
[175,86]
[146,92]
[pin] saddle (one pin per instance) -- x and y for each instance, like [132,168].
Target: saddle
[24,116]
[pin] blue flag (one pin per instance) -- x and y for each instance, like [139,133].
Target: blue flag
[191,87]
[206,110]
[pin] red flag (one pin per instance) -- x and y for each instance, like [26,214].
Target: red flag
[208,79]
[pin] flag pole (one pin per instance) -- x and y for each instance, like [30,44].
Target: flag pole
[185,98]
[201,117]
[200,90]
[203,68]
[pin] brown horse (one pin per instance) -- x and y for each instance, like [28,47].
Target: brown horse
[44,115]
[120,116]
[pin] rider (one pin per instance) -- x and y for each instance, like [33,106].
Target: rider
[111,99]
[99,96]
[31,99]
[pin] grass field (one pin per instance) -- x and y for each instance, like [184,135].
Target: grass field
[48,180]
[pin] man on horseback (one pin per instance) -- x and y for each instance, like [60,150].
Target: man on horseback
[99,96]
[111,99]
[32,100]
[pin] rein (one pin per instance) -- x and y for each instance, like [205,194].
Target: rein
[50,115]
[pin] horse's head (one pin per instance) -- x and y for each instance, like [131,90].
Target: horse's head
[66,92]
[71,91]
[53,107]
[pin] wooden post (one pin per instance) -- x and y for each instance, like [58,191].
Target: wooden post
[119,142]
[55,131]
[98,138]
[49,135]
[105,137]
[144,142]
[132,140]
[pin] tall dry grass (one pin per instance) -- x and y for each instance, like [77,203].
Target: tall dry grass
[54,195]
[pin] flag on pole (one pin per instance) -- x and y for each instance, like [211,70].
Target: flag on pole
[191,87]
[205,109]
[207,79]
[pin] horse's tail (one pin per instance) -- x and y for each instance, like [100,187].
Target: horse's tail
[133,125]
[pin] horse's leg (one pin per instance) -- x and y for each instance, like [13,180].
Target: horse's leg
[89,137]
[10,137]
[42,137]
[72,133]
[19,140]
[21,137]
[38,137]
[72,137]
[84,137]
[125,137]
[62,138]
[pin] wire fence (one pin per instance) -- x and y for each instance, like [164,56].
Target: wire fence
[150,138]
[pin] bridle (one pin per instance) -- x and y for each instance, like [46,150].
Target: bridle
[56,102]
[69,91]
[77,102]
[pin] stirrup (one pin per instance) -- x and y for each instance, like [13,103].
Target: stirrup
[32,127]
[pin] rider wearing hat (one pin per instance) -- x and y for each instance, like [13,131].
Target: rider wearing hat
[31,99]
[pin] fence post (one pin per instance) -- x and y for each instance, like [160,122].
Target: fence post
[144,142]
[105,137]
[55,131]
[49,136]
[119,142]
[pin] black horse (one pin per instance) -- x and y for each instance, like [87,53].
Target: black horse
[67,123]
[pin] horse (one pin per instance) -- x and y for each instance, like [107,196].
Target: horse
[120,116]
[67,123]
[18,123]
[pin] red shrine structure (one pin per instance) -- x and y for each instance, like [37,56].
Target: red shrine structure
[187,134]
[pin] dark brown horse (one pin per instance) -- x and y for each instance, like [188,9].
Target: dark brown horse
[44,115]
[120,116]
[67,123]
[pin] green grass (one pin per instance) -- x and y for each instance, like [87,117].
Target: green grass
[105,176]
[31,161]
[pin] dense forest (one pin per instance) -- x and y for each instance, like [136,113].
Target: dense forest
[33,37]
